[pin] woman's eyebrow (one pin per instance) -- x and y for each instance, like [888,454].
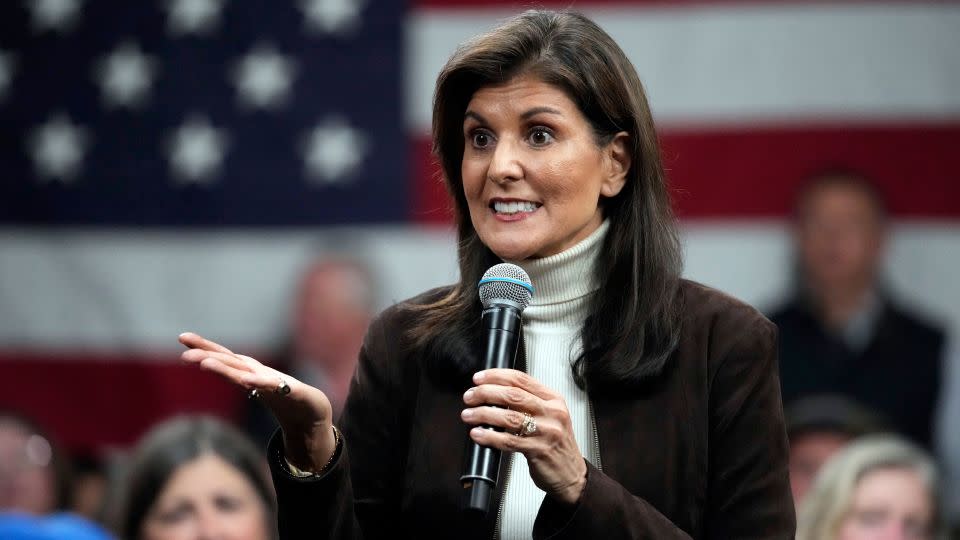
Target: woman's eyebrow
[537,110]
[525,116]
[475,116]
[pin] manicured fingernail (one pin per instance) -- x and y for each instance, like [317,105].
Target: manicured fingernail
[468,394]
[479,376]
[467,413]
[476,431]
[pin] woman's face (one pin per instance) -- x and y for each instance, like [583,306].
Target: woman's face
[533,174]
[888,504]
[207,498]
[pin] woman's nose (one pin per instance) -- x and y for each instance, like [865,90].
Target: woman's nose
[210,526]
[505,164]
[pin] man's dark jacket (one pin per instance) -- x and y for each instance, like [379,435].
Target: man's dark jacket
[896,375]
[701,452]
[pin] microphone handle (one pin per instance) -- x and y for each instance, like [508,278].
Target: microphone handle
[501,325]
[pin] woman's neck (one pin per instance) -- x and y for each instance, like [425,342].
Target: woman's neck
[569,274]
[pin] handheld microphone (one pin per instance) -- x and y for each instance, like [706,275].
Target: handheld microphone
[505,291]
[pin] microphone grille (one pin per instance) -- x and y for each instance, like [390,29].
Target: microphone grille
[506,281]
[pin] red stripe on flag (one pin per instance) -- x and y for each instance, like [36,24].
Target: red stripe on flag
[754,172]
[89,403]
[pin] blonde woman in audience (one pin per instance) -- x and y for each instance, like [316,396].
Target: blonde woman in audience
[879,487]
[196,478]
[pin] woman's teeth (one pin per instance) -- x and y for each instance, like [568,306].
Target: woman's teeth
[514,206]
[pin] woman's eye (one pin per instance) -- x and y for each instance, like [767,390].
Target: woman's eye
[228,504]
[174,515]
[540,137]
[480,139]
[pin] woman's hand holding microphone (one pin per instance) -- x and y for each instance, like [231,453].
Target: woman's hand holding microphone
[304,413]
[556,464]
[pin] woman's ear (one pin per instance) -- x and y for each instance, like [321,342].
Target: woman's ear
[618,162]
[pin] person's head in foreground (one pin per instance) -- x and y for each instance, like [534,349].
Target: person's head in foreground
[33,472]
[818,427]
[197,478]
[543,132]
[878,487]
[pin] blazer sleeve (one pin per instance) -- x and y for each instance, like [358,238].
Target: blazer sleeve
[605,510]
[748,488]
[358,496]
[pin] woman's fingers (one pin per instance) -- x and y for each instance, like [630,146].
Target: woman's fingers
[237,376]
[516,378]
[235,370]
[508,442]
[509,421]
[195,341]
[506,396]
[198,355]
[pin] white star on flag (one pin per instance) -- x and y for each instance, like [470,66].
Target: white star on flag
[57,149]
[125,76]
[264,77]
[7,63]
[332,16]
[193,16]
[196,151]
[58,15]
[332,151]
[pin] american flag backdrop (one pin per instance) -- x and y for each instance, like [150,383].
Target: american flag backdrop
[168,165]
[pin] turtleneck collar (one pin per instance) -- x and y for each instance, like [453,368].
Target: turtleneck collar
[568,275]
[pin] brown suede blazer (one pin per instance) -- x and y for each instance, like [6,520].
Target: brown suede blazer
[702,453]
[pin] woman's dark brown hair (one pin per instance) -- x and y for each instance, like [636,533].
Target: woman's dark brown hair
[633,325]
[175,443]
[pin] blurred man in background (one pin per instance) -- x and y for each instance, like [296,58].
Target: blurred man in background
[842,333]
[331,311]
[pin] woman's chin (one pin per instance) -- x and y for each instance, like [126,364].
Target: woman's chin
[512,251]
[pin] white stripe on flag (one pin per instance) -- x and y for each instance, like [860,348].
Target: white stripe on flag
[749,62]
[111,291]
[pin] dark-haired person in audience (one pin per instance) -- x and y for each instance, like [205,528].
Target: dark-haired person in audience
[196,479]
[818,427]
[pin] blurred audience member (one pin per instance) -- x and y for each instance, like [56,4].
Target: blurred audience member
[34,476]
[89,486]
[332,308]
[842,333]
[196,478]
[818,427]
[55,527]
[878,487]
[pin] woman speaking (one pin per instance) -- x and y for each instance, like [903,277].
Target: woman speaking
[647,406]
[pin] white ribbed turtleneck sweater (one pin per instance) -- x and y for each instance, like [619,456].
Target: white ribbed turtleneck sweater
[564,284]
